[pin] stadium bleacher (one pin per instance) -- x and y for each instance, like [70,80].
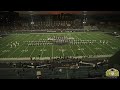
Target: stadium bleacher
[56,69]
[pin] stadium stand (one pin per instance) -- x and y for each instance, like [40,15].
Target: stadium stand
[50,69]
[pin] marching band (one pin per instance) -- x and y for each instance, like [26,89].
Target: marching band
[13,44]
[63,40]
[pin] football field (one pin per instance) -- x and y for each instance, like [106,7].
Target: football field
[53,45]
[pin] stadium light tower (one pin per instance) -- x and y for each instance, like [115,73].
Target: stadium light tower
[84,19]
[32,22]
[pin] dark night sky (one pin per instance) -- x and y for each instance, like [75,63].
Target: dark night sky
[73,12]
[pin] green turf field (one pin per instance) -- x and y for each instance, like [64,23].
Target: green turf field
[21,49]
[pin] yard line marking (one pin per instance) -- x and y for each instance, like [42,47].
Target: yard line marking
[95,46]
[112,43]
[79,47]
[70,47]
[32,51]
[50,45]
[34,47]
[7,39]
[102,51]
[72,50]
[81,50]
[10,40]
[116,44]
[109,38]
[26,46]
[88,48]
[42,51]
[42,45]
[17,48]
[20,46]
[62,51]
[8,48]
[109,45]
[52,48]
[104,46]
[52,51]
